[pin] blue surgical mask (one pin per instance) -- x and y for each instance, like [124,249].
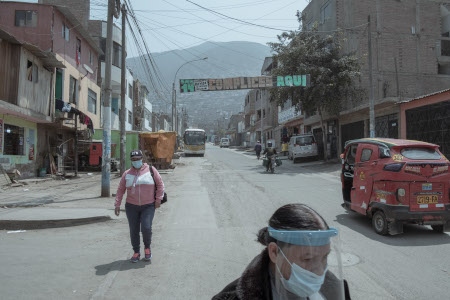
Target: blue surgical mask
[302,283]
[137,163]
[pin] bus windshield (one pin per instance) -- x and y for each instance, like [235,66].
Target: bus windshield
[194,137]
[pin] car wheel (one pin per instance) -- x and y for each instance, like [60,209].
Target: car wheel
[438,228]
[379,223]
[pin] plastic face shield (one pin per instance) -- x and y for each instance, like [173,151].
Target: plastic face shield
[304,259]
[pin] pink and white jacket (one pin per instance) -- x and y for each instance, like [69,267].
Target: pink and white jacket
[140,186]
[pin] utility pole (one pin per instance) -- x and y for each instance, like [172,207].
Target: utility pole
[174,104]
[106,157]
[123,136]
[260,99]
[371,100]
[174,99]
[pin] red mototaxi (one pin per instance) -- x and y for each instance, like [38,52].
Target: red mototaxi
[395,181]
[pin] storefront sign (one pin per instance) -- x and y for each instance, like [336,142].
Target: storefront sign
[288,114]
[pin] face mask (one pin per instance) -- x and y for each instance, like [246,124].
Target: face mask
[302,283]
[137,163]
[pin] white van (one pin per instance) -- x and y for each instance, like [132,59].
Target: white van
[302,146]
[224,142]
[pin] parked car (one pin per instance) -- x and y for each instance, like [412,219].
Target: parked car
[224,142]
[302,146]
[396,182]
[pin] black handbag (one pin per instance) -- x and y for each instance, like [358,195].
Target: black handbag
[164,199]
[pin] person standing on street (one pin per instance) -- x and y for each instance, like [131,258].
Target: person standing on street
[144,195]
[258,149]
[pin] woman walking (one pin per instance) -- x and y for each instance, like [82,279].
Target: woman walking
[144,194]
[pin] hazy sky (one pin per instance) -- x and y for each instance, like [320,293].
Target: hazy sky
[178,24]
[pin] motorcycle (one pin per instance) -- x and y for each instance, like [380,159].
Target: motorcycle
[272,163]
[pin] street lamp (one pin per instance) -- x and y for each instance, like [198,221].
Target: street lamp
[174,96]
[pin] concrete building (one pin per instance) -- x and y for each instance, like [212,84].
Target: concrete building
[410,50]
[73,96]
[410,58]
[261,115]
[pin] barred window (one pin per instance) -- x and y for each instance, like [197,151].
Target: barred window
[26,18]
[14,137]
[73,95]
[92,101]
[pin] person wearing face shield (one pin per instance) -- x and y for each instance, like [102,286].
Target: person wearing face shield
[300,261]
[144,195]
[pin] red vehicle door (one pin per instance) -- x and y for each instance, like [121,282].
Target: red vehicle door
[95,153]
[367,158]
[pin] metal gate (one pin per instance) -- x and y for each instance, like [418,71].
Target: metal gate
[387,126]
[352,131]
[430,123]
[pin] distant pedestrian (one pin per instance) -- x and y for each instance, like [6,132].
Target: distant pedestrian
[141,202]
[258,149]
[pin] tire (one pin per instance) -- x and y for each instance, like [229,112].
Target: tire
[438,228]
[379,223]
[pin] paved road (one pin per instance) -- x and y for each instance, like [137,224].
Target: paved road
[205,236]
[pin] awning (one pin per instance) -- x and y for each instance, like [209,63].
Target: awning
[293,123]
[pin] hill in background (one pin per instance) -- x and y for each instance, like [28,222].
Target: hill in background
[230,59]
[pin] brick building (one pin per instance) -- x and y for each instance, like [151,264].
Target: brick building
[410,51]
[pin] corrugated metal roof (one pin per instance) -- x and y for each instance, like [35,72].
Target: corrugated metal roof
[423,96]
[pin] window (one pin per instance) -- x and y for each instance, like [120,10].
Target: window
[351,154]
[325,12]
[130,91]
[366,154]
[445,47]
[117,55]
[32,71]
[78,52]
[130,117]
[73,95]
[92,101]
[420,153]
[26,18]
[91,58]
[65,32]
[14,140]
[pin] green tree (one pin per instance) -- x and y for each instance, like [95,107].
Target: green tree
[332,73]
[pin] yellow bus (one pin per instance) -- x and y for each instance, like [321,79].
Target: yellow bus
[194,142]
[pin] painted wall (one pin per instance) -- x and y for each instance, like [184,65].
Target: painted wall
[132,143]
[84,84]
[34,94]
[26,163]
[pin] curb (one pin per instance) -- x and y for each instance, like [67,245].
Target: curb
[45,224]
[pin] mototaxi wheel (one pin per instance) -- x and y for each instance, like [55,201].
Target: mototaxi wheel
[379,223]
[438,228]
